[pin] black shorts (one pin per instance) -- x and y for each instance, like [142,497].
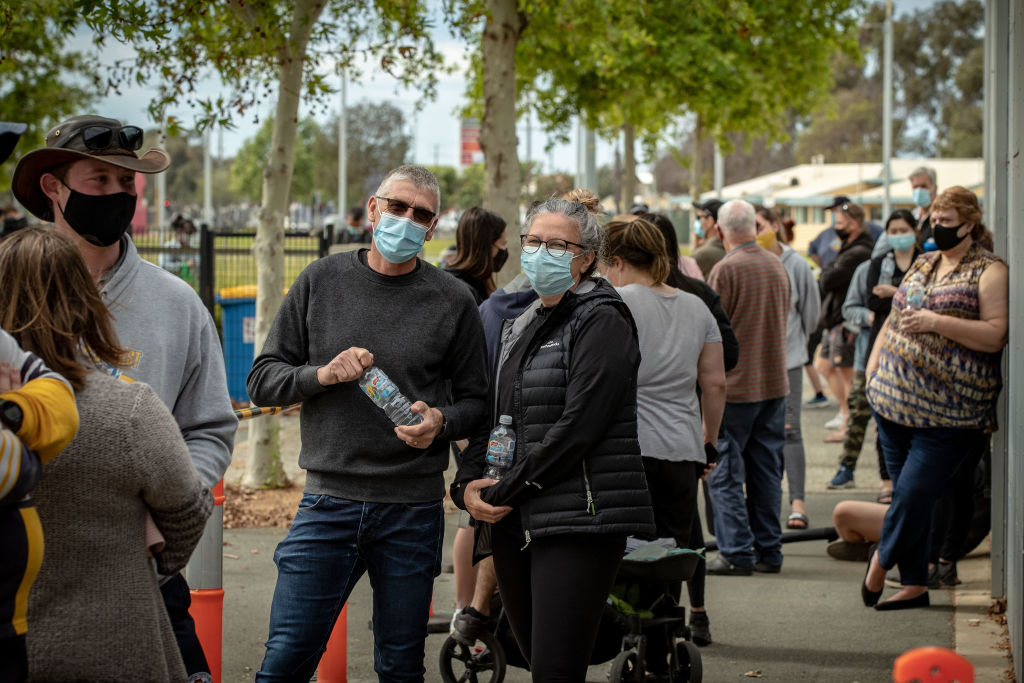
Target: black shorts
[838,346]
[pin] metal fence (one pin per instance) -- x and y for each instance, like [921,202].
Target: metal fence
[225,259]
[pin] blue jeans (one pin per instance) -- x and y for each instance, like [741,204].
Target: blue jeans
[750,453]
[331,543]
[921,462]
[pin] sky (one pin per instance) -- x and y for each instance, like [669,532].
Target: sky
[435,128]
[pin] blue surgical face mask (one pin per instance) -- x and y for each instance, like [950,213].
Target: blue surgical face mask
[549,275]
[902,242]
[399,239]
[922,197]
[698,229]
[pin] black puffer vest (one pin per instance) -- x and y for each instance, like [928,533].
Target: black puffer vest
[607,493]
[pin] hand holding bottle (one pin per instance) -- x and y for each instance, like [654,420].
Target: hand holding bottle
[345,367]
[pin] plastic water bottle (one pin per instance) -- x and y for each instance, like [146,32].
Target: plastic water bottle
[501,448]
[915,296]
[888,269]
[382,391]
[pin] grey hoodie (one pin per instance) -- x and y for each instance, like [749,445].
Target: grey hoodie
[174,348]
[804,306]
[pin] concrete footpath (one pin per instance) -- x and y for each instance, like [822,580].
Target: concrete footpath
[805,624]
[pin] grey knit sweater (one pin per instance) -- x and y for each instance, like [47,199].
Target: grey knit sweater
[423,329]
[95,610]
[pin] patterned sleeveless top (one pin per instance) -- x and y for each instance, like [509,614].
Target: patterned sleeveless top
[925,379]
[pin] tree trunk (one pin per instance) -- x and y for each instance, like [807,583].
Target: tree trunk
[498,128]
[263,468]
[628,167]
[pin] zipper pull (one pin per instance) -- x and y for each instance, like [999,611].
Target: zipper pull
[527,540]
[590,503]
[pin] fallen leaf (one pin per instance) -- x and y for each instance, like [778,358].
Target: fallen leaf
[756,673]
[255,551]
[230,556]
[974,622]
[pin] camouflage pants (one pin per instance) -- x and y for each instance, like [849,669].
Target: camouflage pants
[857,424]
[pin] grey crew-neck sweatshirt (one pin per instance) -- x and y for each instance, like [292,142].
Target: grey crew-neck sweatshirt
[423,330]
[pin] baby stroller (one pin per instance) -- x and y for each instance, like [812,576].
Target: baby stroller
[642,628]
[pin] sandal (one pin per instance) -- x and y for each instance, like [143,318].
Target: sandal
[838,436]
[798,520]
[885,498]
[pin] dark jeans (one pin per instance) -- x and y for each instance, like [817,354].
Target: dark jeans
[747,526]
[13,659]
[178,599]
[921,463]
[331,543]
[554,592]
[953,514]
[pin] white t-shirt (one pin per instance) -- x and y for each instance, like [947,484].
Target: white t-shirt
[673,329]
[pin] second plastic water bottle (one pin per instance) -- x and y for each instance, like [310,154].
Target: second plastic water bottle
[382,391]
[501,448]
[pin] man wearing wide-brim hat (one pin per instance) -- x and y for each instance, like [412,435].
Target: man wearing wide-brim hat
[84,181]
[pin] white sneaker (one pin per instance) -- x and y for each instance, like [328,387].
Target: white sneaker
[836,422]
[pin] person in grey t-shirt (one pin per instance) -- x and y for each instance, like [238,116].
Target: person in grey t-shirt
[680,348]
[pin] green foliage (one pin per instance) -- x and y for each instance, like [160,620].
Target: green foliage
[375,144]
[41,83]
[938,78]
[742,66]
[244,45]
[470,191]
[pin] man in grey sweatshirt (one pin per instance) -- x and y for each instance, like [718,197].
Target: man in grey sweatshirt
[84,181]
[373,493]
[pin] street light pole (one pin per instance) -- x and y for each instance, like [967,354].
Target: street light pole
[887,109]
[342,151]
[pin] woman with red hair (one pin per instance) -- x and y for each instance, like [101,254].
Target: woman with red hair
[933,380]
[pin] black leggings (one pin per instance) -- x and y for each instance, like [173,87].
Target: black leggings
[553,592]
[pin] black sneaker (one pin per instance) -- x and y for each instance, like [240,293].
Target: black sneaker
[700,628]
[723,567]
[765,568]
[467,625]
[947,573]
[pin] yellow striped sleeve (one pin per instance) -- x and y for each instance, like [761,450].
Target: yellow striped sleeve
[50,417]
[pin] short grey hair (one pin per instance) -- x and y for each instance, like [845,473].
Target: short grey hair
[737,218]
[418,176]
[591,235]
[924,170]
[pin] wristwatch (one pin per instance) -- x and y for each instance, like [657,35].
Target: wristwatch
[11,415]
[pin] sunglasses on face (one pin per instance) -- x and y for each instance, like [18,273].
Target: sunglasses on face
[399,208]
[98,138]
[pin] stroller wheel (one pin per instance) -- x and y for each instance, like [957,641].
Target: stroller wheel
[484,662]
[688,667]
[625,668]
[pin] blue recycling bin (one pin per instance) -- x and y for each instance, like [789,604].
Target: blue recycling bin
[238,324]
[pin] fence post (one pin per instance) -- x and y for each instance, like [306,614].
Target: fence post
[206,266]
[326,239]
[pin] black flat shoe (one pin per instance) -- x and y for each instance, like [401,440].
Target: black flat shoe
[869,597]
[890,605]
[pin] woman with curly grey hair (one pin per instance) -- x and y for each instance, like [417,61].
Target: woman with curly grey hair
[558,519]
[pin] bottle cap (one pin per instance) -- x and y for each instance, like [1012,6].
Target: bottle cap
[505,420]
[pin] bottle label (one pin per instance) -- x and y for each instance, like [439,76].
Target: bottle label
[380,389]
[499,453]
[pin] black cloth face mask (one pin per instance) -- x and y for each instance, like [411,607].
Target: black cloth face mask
[499,259]
[99,219]
[946,237]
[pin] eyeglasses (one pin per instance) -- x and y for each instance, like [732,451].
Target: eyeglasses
[98,138]
[400,208]
[556,248]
